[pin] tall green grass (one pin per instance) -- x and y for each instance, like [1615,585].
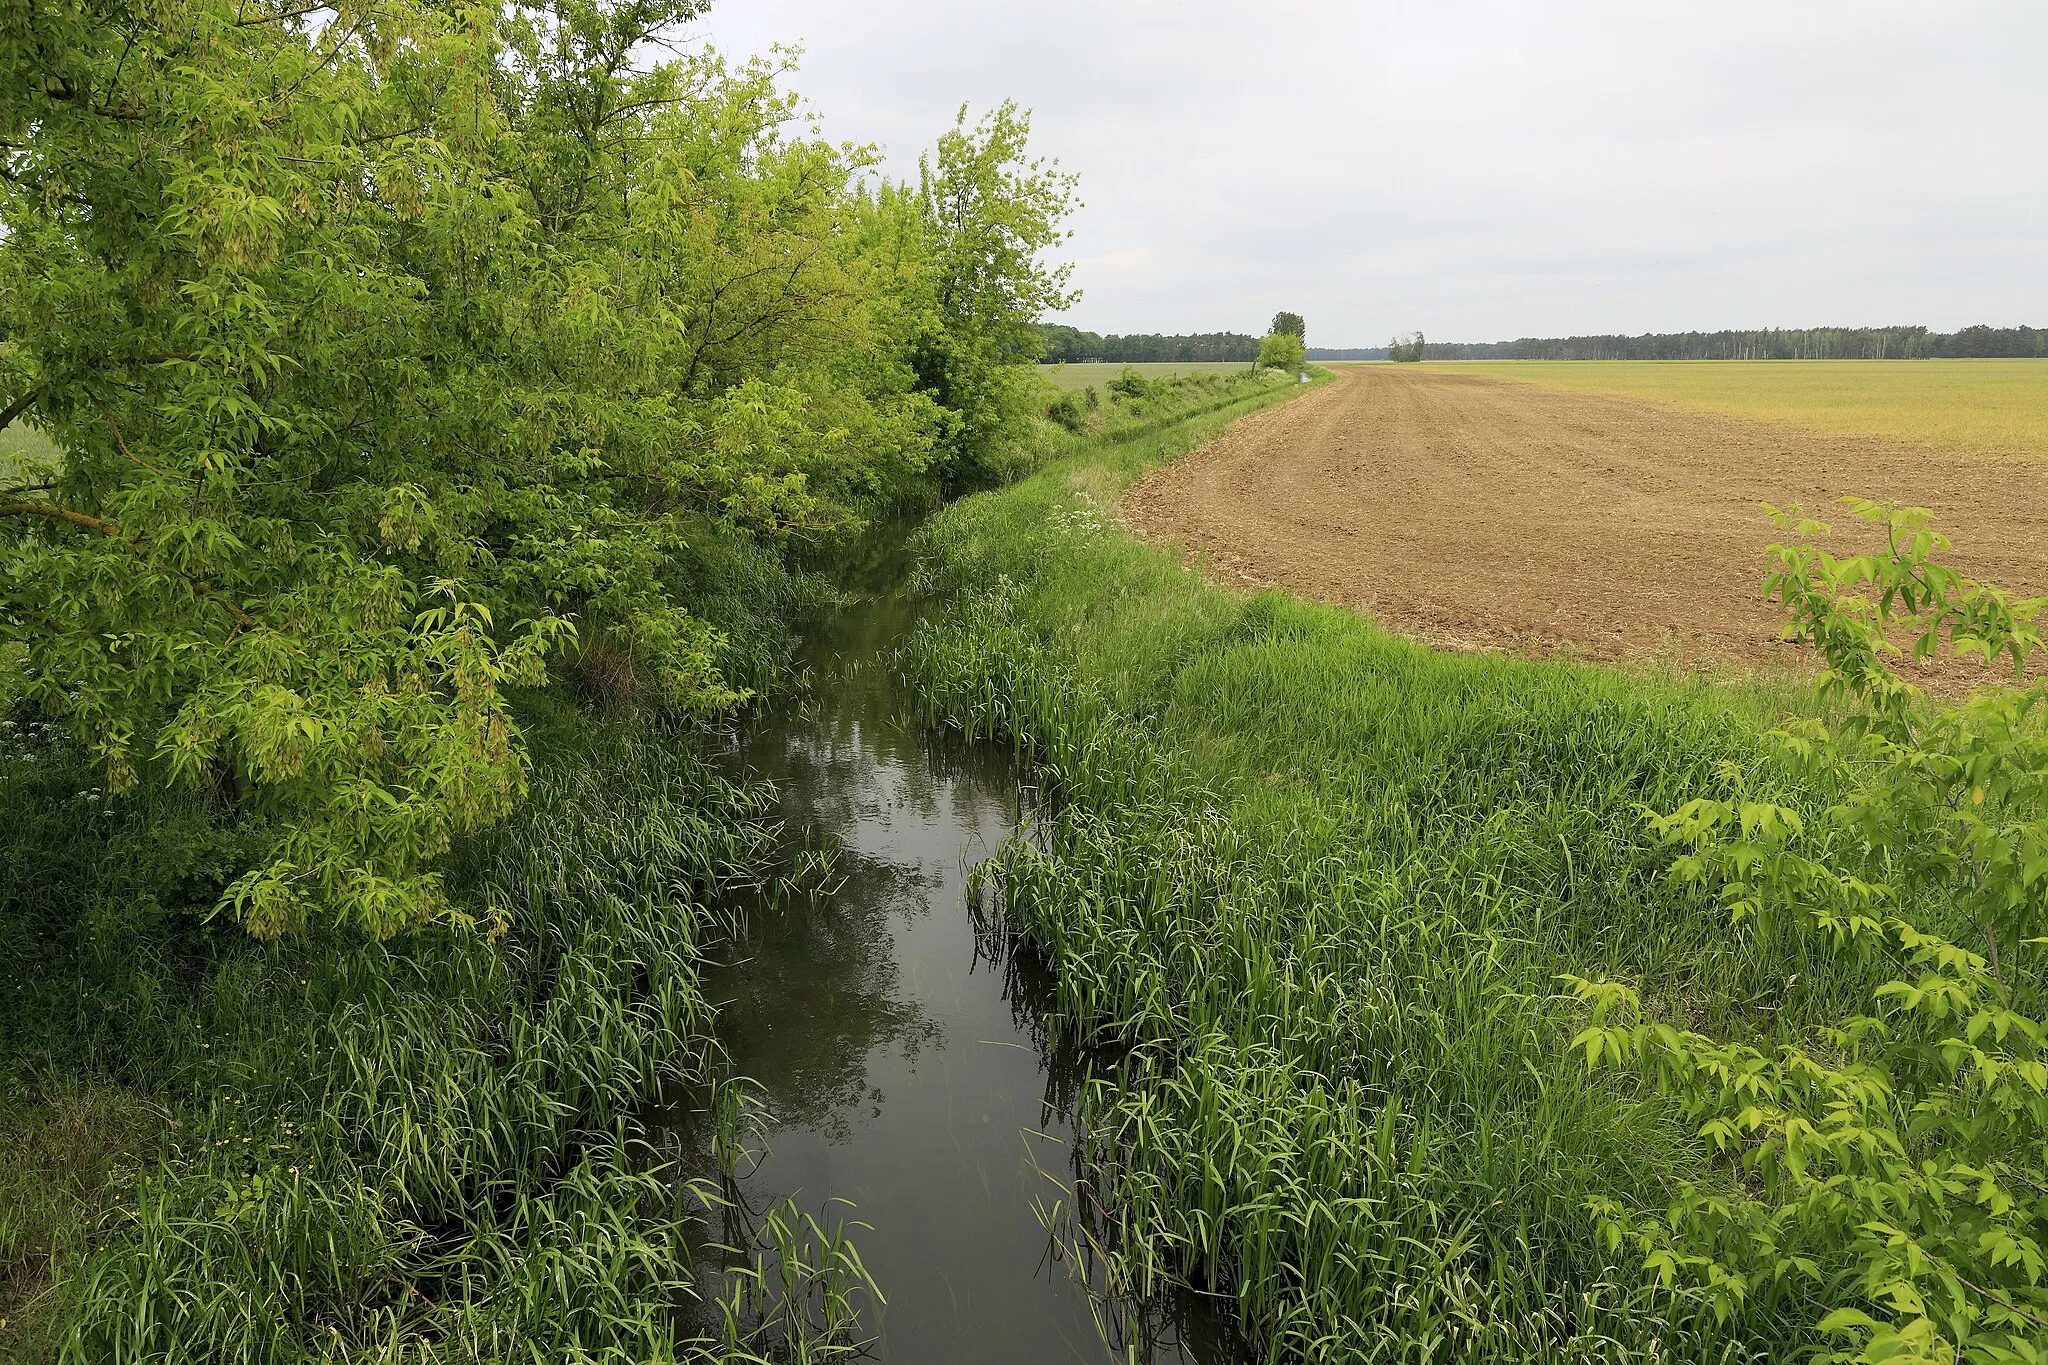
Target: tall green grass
[439,1149]
[442,1148]
[1131,407]
[1081,374]
[1309,885]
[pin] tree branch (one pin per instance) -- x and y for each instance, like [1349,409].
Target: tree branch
[283,15]
[43,509]
[52,512]
[2000,1300]
[20,405]
[133,458]
[332,53]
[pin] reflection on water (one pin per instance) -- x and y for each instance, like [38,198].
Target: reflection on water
[899,1050]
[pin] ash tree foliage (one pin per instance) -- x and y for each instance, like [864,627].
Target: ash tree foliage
[992,212]
[402,355]
[1893,1167]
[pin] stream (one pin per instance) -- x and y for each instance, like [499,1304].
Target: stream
[899,1044]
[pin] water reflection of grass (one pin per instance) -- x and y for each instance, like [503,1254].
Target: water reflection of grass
[815,990]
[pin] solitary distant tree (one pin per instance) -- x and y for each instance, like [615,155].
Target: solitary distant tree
[1289,325]
[1282,351]
[1408,348]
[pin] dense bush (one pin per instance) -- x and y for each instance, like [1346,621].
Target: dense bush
[1283,351]
[1072,410]
[1893,1158]
[431,1149]
[400,357]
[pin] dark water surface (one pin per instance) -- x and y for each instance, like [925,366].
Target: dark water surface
[899,1044]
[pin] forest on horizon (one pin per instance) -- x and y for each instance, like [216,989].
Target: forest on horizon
[1067,345]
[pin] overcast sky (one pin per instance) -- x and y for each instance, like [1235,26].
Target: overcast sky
[1486,169]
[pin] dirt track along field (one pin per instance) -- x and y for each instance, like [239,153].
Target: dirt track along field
[1476,512]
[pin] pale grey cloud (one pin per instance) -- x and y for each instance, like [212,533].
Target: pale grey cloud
[1484,169]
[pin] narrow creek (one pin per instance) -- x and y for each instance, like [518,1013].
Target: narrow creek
[899,1045]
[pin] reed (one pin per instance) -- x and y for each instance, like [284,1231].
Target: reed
[1311,885]
[441,1148]
[438,1148]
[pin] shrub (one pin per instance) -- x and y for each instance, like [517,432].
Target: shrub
[1894,1164]
[1131,384]
[1282,351]
[1068,411]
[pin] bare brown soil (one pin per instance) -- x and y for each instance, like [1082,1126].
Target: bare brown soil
[1474,512]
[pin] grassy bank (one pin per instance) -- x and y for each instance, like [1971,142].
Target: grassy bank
[1080,374]
[449,1147]
[1137,415]
[1313,885]
[433,1149]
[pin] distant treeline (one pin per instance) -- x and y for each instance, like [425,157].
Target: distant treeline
[1812,343]
[1775,343]
[1069,345]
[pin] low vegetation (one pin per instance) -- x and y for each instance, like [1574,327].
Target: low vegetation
[1988,405]
[1892,1162]
[1318,896]
[420,424]
[1083,376]
[436,1149]
[1132,404]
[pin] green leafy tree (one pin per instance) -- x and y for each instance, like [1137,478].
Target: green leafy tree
[1282,351]
[399,356]
[1289,325]
[198,276]
[1892,1168]
[981,222]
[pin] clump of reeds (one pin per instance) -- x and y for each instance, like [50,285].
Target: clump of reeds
[1313,885]
[435,1149]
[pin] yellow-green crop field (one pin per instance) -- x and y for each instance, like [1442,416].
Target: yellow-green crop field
[1081,376]
[1997,405]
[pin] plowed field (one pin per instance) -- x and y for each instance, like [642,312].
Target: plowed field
[1474,512]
